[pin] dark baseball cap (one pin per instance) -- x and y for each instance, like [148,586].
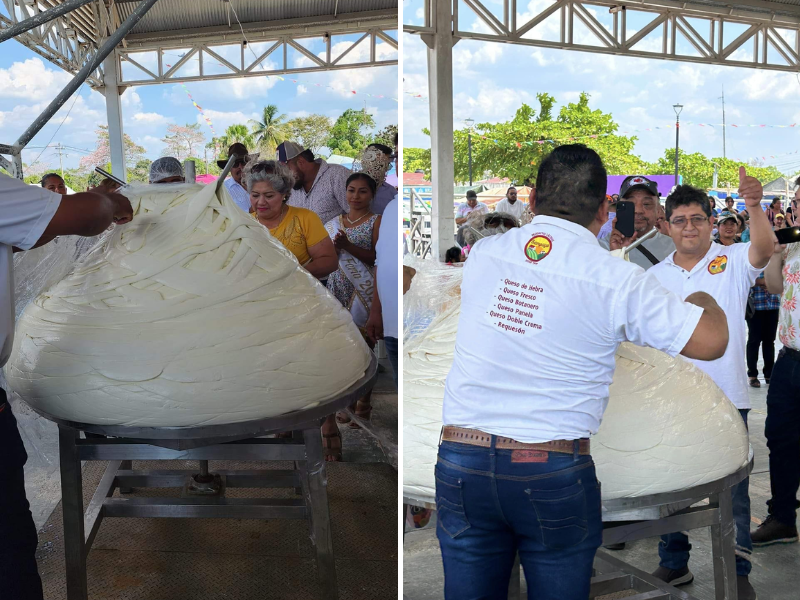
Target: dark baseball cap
[637,181]
[472,194]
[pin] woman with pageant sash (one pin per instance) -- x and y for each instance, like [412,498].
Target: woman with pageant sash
[353,283]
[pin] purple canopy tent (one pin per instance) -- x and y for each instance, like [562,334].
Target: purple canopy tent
[665,183]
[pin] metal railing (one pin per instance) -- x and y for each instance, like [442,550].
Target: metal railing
[419,236]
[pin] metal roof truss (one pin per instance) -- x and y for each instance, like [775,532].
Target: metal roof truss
[768,33]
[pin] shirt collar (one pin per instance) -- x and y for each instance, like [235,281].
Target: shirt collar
[323,166]
[712,253]
[573,228]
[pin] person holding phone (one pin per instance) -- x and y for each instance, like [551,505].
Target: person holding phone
[782,428]
[639,199]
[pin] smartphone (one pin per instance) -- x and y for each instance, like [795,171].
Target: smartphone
[625,214]
[789,235]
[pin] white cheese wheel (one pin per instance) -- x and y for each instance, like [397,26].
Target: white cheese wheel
[668,427]
[192,314]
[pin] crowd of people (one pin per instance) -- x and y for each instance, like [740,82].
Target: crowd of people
[731,255]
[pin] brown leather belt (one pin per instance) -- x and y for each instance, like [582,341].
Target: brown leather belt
[474,437]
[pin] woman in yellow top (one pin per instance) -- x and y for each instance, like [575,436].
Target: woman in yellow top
[299,230]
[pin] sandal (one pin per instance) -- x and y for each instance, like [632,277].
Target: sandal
[363,410]
[754,382]
[332,446]
[342,417]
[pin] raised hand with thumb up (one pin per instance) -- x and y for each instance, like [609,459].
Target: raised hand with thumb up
[750,189]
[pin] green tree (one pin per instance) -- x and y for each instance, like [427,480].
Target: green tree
[698,170]
[386,136]
[415,159]
[270,130]
[516,148]
[235,133]
[141,172]
[102,153]
[348,135]
[311,132]
[181,141]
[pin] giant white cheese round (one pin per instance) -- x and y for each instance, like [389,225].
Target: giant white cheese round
[192,314]
[667,427]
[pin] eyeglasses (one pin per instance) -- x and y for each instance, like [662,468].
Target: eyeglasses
[239,163]
[680,222]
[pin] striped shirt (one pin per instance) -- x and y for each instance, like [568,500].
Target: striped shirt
[238,193]
[328,195]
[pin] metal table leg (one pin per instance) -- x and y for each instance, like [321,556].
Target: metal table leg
[316,497]
[723,541]
[72,507]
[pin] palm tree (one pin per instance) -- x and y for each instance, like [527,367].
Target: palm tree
[238,133]
[271,130]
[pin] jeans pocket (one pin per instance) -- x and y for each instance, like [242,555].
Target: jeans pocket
[450,504]
[562,515]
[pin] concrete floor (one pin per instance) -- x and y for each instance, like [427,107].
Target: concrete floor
[776,569]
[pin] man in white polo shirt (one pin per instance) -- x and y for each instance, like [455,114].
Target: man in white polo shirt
[726,273]
[30,217]
[514,472]
[510,204]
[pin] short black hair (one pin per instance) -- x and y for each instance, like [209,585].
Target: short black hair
[370,181]
[571,184]
[307,155]
[728,198]
[472,194]
[453,254]
[797,182]
[49,175]
[511,188]
[385,149]
[686,195]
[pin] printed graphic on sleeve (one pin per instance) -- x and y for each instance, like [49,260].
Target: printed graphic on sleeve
[538,247]
[718,265]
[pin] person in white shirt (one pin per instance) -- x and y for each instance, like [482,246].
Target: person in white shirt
[31,217]
[643,192]
[514,473]
[319,187]
[782,428]
[382,322]
[726,273]
[471,205]
[510,205]
[235,183]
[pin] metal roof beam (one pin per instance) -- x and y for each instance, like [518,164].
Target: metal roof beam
[41,18]
[342,24]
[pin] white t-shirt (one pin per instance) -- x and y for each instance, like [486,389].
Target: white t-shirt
[25,212]
[515,209]
[387,259]
[464,209]
[530,363]
[724,273]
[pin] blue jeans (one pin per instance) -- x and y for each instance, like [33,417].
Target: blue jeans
[19,577]
[490,508]
[783,437]
[674,547]
[391,350]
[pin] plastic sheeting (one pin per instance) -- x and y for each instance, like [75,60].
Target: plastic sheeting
[667,427]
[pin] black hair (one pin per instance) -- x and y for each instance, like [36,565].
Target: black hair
[571,184]
[797,182]
[728,198]
[686,195]
[49,175]
[385,149]
[509,189]
[453,254]
[308,155]
[373,187]
[473,194]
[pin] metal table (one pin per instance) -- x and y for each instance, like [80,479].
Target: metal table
[630,519]
[203,493]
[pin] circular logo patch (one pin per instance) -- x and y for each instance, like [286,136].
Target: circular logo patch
[718,265]
[538,247]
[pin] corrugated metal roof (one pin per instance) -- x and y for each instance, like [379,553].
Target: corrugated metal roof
[170,15]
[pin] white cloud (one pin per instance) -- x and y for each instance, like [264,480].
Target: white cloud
[150,118]
[301,89]
[32,80]
[761,85]
[539,57]
[222,120]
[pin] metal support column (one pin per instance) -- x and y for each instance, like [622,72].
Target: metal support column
[40,19]
[723,542]
[440,86]
[114,116]
[72,508]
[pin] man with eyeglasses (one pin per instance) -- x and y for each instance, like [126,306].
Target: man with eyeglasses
[783,409]
[726,273]
[643,193]
[234,183]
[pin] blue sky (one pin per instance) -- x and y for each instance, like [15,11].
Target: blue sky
[492,80]
[28,83]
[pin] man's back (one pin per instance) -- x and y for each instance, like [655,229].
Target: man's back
[521,346]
